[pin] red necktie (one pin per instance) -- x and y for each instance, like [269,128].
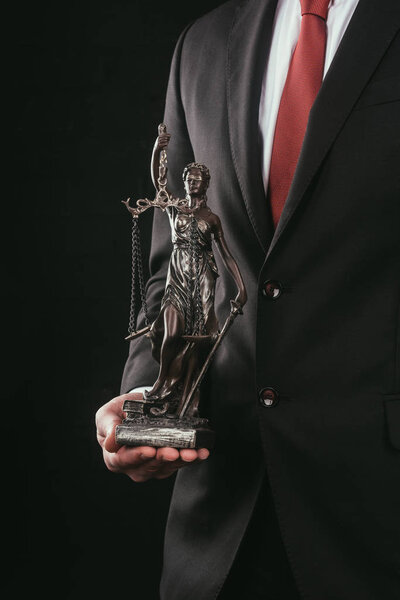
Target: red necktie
[303,81]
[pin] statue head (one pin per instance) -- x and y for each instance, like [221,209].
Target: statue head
[196,178]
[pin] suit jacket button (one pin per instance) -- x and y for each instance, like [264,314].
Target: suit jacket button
[272,289]
[268,397]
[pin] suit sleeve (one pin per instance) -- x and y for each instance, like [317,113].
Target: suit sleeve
[140,368]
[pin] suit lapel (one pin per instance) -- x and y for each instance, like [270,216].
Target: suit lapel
[368,35]
[247,55]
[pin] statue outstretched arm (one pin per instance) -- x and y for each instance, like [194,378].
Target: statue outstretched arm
[159,159]
[164,198]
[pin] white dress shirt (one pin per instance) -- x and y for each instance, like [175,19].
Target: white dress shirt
[286,32]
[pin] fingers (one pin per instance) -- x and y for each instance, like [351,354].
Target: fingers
[167,454]
[186,458]
[202,453]
[144,463]
[127,459]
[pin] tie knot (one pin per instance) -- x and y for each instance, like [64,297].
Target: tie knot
[315,7]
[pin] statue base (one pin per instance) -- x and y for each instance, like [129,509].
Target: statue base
[141,428]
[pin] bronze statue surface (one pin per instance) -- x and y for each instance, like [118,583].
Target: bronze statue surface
[185,334]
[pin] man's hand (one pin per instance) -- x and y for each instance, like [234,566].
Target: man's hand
[139,463]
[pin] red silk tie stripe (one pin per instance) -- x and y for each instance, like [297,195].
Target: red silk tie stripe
[302,84]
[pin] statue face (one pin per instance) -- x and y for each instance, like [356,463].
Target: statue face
[194,183]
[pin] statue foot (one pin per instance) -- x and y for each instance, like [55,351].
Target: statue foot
[157,395]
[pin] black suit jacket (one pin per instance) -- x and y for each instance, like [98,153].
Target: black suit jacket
[329,345]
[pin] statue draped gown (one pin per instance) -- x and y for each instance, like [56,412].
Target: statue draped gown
[190,288]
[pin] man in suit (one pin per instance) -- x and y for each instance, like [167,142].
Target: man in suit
[301,492]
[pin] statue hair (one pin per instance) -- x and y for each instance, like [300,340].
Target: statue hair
[202,168]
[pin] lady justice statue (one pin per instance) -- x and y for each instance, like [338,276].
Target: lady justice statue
[185,335]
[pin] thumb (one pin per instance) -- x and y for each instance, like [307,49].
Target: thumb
[110,443]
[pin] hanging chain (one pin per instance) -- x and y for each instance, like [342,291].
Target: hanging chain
[132,312]
[142,290]
[162,200]
[137,276]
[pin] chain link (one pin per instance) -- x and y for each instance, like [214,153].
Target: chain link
[142,290]
[137,276]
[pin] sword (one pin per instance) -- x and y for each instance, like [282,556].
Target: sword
[236,310]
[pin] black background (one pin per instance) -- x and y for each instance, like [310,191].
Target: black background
[86,93]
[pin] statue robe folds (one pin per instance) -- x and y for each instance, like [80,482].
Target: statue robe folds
[190,288]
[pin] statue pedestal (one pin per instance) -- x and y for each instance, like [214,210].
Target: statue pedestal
[140,428]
